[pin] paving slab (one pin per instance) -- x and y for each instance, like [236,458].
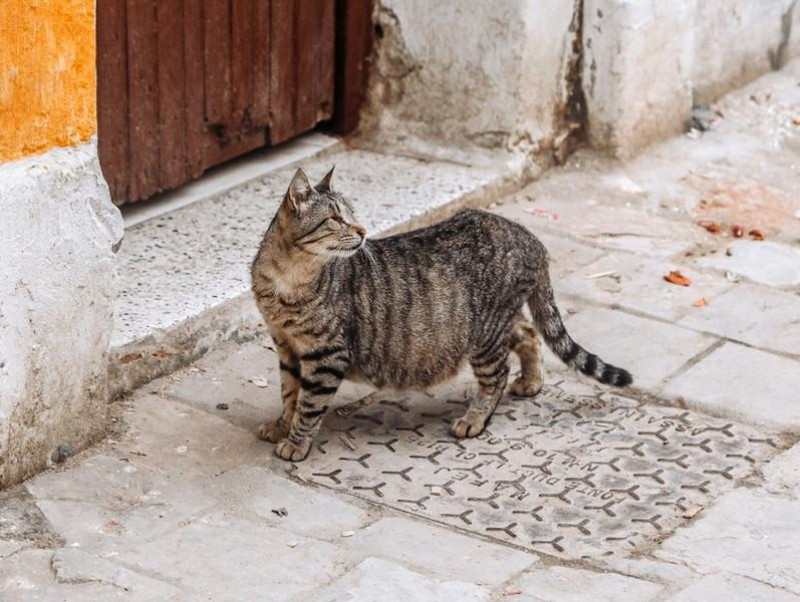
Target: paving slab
[441,552]
[22,521]
[782,474]
[743,383]
[596,217]
[651,350]
[376,579]
[637,283]
[747,533]
[564,584]
[757,315]
[731,588]
[7,548]
[73,565]
[28,577]
[578,472]
[228,558]
[281,503]
[767,262]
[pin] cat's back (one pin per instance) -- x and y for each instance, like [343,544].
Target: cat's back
[468,234]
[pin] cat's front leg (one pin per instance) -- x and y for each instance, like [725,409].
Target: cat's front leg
[290,388]
[321,373]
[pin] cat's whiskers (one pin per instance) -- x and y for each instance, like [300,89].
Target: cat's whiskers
[369,253]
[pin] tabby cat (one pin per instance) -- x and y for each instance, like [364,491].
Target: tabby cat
[403,312]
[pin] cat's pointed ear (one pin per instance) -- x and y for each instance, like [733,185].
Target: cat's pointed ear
[324,185]
[299,191]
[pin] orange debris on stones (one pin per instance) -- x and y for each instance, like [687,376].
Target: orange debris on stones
[675,277]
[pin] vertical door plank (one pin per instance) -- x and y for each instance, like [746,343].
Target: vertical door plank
[261,49]
[112,96]
[242,63]
[218,61]
[315,36]
[171,94]
[283,54]
[143,98]
[325,61]
[194,80]
[308,47]
[354,38]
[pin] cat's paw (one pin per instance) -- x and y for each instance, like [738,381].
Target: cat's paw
[286,450]
[272,431]
[526,388]
[470,424]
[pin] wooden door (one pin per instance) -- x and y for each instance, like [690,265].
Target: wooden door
[187,84]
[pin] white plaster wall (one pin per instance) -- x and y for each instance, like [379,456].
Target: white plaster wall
[647,62]
[57,230]
[456,77]
[470,75]
[637,71]
[736,41]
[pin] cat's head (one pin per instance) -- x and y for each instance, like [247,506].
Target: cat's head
[319,220]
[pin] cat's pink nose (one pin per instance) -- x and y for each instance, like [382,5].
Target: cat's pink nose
[360,230]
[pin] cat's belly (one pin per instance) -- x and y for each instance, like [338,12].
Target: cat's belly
[406,374]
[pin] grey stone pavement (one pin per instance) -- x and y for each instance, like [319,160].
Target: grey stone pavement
[685,487]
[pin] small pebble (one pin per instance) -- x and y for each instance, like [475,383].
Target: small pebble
[61,453]
[348,533]
[222,406]
[259,381]
[292,544]
[181,449]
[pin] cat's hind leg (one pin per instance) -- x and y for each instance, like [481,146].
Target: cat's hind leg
[347,411]
[290,389]
[491,370]
[525,342]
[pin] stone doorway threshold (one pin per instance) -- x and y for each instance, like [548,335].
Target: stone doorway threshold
[183,267]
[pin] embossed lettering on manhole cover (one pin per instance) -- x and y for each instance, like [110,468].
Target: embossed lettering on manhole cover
[576,472]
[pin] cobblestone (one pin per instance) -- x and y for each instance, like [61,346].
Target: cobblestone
[743,383]
[562,584]
[746,533]
[730,588]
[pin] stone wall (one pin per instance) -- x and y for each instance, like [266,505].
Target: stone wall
[471,75]
[57,235]
[528,78]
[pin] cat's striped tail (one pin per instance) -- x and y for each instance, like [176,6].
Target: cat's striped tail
[548,321]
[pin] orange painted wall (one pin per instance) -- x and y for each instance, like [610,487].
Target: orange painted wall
[47,75]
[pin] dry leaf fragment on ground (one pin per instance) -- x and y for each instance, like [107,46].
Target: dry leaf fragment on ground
[713,227]
[797,121]
[692,511]
[701,302]
[756,234]
[737,230]
[675,277]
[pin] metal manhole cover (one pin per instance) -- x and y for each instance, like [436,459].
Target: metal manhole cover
[577,472]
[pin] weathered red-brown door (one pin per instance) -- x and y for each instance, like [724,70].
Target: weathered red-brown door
[187,84]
